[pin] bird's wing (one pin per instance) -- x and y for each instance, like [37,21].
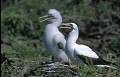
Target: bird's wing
[86,51]
[60,41]
[88,56]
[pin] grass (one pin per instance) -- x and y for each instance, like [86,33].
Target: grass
[24,55]
[27,60]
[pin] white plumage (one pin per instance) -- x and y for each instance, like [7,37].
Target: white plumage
[81,54]
[52,36]
[85,50]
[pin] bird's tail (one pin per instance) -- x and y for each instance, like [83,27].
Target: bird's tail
[105,66]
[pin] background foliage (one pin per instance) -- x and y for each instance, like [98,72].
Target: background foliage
[21,31]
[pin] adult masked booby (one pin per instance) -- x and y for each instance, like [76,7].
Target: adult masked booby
[78,53]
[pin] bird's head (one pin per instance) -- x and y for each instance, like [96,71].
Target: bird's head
[52,16]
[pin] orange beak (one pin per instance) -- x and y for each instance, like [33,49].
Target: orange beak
[66,25]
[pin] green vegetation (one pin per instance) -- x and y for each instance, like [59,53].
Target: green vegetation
[21,32]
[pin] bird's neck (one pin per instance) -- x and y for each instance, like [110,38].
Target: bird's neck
[57,22]
[72,37]
[53,27]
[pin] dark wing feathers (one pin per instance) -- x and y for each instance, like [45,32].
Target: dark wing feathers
[94,61]
[60,45]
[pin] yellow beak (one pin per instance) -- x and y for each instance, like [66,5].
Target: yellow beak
[44,18]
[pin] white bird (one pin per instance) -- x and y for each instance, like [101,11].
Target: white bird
[53,39]
[78,53]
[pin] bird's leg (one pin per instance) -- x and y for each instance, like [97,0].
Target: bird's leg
[70,64]
[52,58]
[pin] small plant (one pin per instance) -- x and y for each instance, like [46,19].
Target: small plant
[114,45]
